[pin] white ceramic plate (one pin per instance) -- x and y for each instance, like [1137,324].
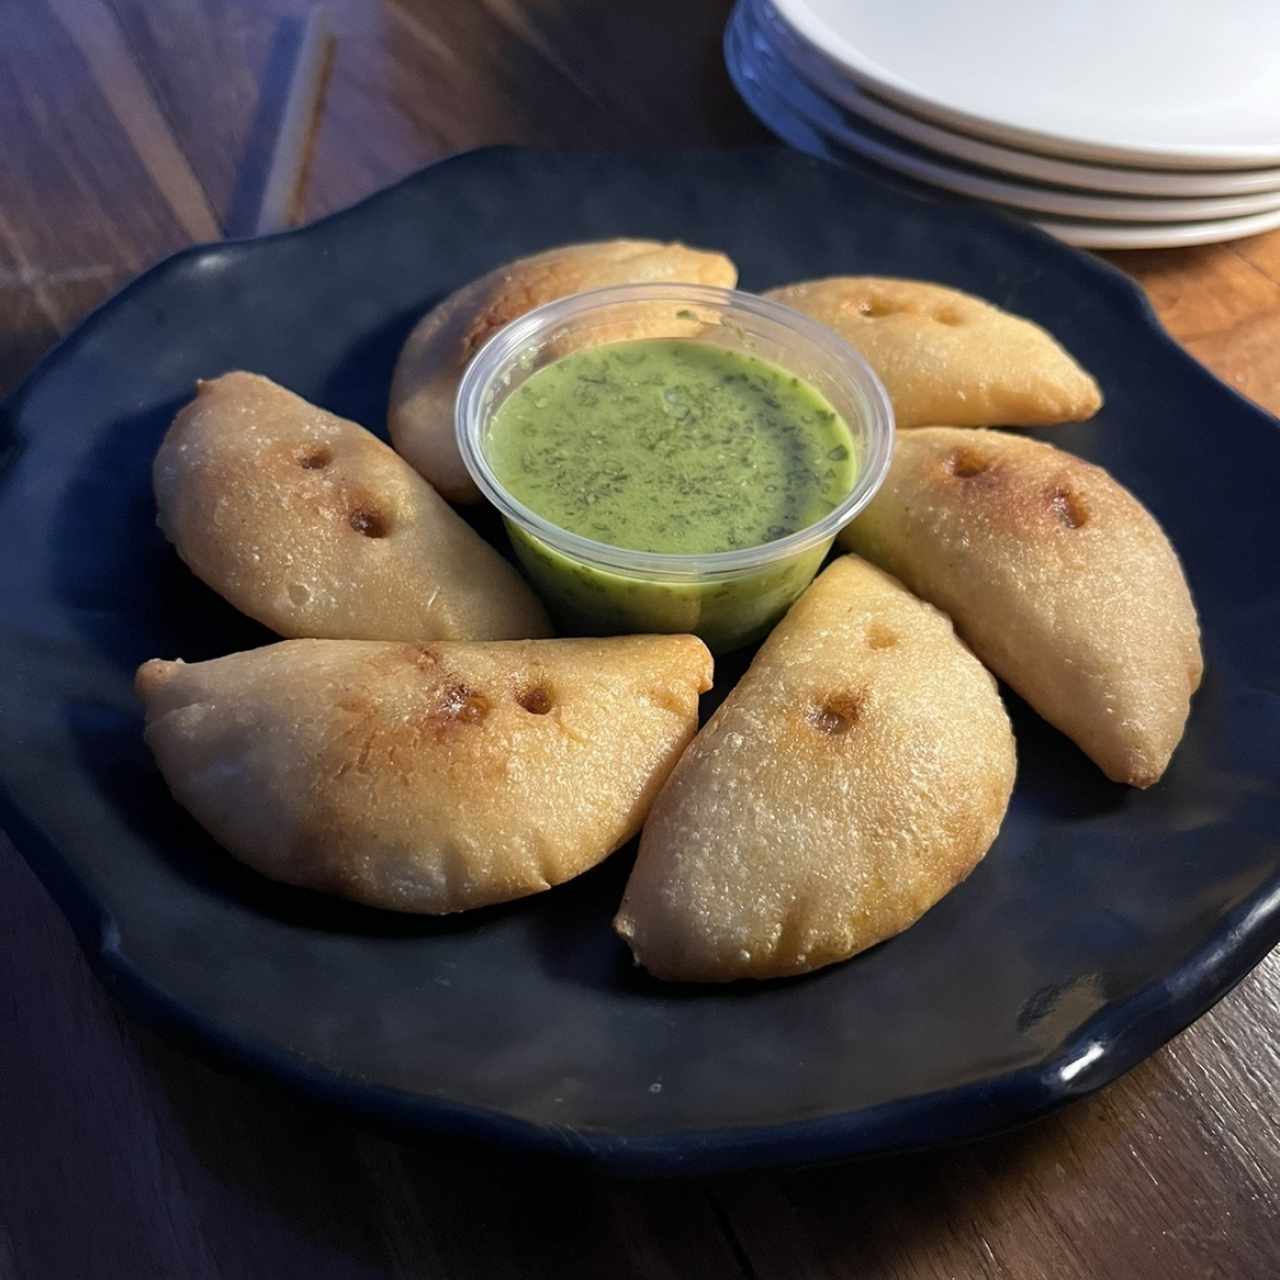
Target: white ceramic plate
[748,70]
[867,139]
[828,80]
[1174,84]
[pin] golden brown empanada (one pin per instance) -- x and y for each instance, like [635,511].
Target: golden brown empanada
[438,350]
[426,778]
[946,356]
[858,772]
[314,527]
[1063,583]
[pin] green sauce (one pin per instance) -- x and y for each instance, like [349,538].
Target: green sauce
[672,446]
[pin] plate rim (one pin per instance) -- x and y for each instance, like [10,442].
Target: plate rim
[1147,1020]
[1103,233]
[1122,1035]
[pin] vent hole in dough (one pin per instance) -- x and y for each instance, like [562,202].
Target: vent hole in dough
[373,524]
[837,714]
[536,700]
[316,459]
[1068,507]
[964,464]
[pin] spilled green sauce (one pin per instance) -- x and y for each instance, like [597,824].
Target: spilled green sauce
[672,445]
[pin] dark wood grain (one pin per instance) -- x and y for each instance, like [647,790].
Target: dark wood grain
[127,127]
[81,210]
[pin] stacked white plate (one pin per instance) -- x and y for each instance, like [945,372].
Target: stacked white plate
[1113,124]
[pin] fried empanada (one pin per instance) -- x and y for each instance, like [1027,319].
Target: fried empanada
[313,526]
[1063,583]
[438,350]
[425,778]
[946,356]
[858,772]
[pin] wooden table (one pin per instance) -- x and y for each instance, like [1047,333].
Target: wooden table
[126,128]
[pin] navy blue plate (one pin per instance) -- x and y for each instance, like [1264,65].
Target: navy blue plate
[1103,920]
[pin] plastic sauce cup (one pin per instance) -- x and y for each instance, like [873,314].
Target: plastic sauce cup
[728,598]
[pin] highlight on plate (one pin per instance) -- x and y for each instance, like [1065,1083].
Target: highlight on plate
[673,461]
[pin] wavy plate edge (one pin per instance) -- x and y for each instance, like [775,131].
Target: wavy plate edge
[1105,1048]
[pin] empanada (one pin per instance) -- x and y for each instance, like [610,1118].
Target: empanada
[313,526]
[425,778]
[946,356]
[1063,583]
[858,772]
[436,353]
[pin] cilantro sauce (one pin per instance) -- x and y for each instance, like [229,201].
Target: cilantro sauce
[672,445]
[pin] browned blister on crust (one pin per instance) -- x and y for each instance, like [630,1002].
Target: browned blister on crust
[858,772]
[946,356]
[425,778]
[313,526]
[1063,583]
[425,384]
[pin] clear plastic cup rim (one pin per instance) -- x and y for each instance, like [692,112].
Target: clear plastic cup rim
[506,346]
